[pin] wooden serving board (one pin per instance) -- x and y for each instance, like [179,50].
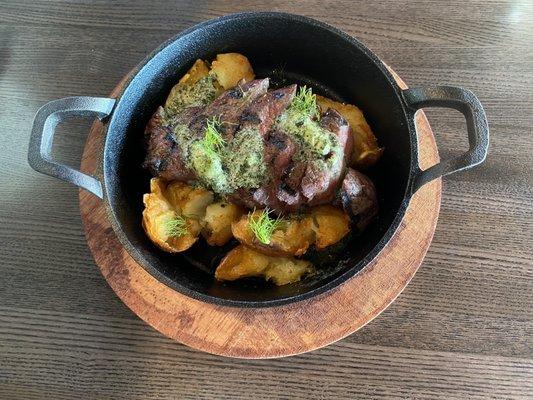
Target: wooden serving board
[266,332]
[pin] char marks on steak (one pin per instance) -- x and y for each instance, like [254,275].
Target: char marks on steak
[261,113]
[164,158]
[230,106]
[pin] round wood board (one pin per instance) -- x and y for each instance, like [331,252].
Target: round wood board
[266,332]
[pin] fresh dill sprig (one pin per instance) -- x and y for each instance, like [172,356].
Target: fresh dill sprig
[304,102]
[213,140]
[175,226]
[263,226]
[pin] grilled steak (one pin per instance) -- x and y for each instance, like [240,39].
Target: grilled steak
[292,173]
[166,152]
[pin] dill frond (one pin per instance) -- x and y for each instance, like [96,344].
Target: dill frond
[213,140]
[175,226]
[304,102]
[263,226]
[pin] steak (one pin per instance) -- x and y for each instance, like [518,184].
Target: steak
[166,156]
[290,182]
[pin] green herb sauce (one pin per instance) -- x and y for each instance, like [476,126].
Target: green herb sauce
[209,166]
[314,140]
[244,160]
[229,166]
[184,139]
[301,121]
[183,96]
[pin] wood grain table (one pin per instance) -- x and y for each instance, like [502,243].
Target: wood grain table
[463,328]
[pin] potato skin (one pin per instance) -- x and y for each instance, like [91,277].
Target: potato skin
[359,198]
[217,222]
[366,151]
[242,262]
[231,68]
[166,201]
[293,239]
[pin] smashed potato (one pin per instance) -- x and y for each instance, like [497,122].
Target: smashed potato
[190,201]
[242,262]
[366,151]
[330,225]
[324,226]
[217,222]
[292,238]
[231,68]
[164,219]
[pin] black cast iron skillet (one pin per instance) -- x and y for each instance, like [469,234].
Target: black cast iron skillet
[290,49]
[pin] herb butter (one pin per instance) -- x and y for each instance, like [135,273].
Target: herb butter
[182,96]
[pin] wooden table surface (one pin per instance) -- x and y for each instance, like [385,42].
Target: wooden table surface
[462,329]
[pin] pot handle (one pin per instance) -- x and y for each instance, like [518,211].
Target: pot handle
[468,104]
[42,137]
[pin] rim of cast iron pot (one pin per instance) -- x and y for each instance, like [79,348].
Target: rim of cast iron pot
[326,287]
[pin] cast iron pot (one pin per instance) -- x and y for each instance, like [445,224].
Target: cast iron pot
[290,49]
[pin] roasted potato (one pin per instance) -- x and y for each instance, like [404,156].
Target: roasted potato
[330,225]
[198,70]
[242,262]
[359,199]
[366,151]
[164,218]
[292,238]
[190,201]
[231,68]
[217,222]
